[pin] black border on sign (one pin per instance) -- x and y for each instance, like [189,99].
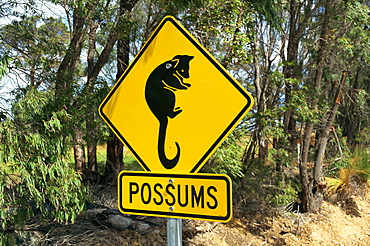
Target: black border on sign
[212,60]
[225,218]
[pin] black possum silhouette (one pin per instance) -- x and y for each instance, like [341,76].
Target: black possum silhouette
[165,79]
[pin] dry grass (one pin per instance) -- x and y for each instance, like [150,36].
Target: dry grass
[104,195]
[86,233]
[351,180]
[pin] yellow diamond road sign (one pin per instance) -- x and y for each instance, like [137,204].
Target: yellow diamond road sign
[175,103]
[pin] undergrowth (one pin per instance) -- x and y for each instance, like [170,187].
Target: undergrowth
[351,179]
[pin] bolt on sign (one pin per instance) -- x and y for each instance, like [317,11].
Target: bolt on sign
[187,196]
[175,103]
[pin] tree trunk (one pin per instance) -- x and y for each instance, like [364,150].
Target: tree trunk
[297,26]
[114,146]
[91,143]
[114,162]
[292,62]
[261,140]
[67,67]
[312,193]
[323,140]
[94,68]
[91,136]
[66,72]
[78,151]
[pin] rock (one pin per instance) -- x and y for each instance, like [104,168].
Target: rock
[141,227]
[109,211]
[89,205]
[118,222]
[100,217]
[155,221]
[94,212]
[113,218]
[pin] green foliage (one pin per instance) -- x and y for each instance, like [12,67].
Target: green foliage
[335,165]
[36,45]
[6,239]
[364,137]
[223,26]
[362,163]
[227,158]
[355,43]
[34,167]
[268,10]
[176,7]
[4,61]
[283,194]
[130,163]
[353,177]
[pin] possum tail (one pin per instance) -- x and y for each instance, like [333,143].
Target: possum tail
[167,163]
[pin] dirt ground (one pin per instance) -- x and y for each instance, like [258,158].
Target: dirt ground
[333,225]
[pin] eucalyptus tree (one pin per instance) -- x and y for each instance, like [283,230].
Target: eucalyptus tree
[96,25]
[328,70]
[114,161]
[352,53]
[35,176]
[47,115]
[36,46]
[299,72]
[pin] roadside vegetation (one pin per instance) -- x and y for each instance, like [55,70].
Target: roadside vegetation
[305,63]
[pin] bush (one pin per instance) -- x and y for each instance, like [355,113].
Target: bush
[35,177]
[227,158]
[352,179]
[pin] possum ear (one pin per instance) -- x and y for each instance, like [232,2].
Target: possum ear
[175,62]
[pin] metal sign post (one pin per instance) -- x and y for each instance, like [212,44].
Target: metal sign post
[174,232]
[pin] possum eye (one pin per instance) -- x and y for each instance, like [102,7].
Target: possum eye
[182,70]
[168,65]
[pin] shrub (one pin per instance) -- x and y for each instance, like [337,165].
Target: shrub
[351,179]
[35,177]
